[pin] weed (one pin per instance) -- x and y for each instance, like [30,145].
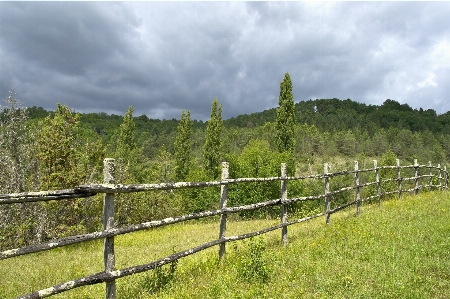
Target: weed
[252,266]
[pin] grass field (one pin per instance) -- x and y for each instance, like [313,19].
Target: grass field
[399,250]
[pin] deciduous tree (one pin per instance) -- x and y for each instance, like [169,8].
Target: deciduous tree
[15,158]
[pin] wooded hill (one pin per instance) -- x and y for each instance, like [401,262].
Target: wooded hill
[326,126]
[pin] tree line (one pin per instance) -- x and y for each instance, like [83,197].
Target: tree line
[42,150]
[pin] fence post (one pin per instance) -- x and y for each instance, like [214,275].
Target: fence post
[416,177]
[445,178]
[108,223]
[377,179]
[327,191]
[222,205]
[439,177]
[431,176]
[399,179]
[358,196]
[284,230]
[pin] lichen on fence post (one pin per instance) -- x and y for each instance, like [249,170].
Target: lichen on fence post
[358,196]
[284,230]
[439,177]
[399,179]
[108,223]
[223,205]
[377,179]
[431,175]
[327,195]
[416,177]
[445,178]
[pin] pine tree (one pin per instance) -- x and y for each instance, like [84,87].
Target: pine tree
[212,149]
[286,117]
[183,146]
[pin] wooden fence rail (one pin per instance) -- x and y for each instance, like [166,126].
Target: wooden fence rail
[109,188]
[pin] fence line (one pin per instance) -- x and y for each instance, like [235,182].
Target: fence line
[109,188]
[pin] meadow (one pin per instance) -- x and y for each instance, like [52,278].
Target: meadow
[398,250]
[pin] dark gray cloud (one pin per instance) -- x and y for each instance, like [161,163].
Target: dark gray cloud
[162,58]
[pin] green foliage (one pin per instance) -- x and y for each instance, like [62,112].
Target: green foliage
[388,159]
[285,123]
[346,143]
[65,159]
[252,265]
[256,160]
[127,154]
[126,143]
[200,199]
[212,149]
[57,144]
[183,146]
[15,150]
[160,278]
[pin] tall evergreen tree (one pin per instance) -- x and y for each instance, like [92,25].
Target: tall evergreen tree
[127,153]
[126,143]
[183,146]
[286,117]
[212,149]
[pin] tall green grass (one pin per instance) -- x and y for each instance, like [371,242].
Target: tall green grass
[401,250]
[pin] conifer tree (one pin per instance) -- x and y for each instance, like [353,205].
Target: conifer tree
[212,149]
[126,143]
[127,164]
[183,146]
[286,117]
[127,152]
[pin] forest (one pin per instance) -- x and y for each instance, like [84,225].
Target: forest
[49,150]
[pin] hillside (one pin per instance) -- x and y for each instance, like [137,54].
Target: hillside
[326,114]
[338,115]
[325,127]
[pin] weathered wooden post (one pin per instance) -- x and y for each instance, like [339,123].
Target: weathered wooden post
[399,179]
[439,177]
[327,195]
[377,179]
[358,196]
[108,223]
[416,177]
[222,205]
[284,231]
[445,178]
[431,176]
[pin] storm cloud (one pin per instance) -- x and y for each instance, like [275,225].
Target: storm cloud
[162,58]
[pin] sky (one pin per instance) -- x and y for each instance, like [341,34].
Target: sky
[166,57]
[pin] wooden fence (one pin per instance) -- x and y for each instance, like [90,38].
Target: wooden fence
[434,178]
